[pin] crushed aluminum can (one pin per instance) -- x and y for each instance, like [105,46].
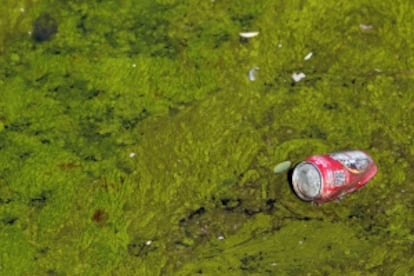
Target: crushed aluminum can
[322,178]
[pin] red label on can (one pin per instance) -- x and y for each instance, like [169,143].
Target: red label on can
[322,178]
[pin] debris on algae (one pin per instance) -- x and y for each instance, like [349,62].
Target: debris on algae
[165,80]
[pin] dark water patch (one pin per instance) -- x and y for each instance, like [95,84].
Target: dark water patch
[5,200]
[139,247]
[196,214]
[25,155]
[314,131]
[40,200]
[230,204]
[9,220]
[331,105]
[52,272]
[44,27]
[20,125]
[130,123]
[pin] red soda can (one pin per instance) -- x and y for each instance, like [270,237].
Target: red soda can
[321,178]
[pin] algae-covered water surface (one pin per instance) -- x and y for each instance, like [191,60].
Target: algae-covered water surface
[132,141]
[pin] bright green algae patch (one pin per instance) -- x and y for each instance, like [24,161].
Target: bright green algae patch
[133,143]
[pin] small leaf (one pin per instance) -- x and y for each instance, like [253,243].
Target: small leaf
[282,166]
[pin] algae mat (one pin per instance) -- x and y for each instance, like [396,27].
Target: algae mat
[132,141]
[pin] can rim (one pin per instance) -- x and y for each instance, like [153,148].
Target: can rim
[297,186]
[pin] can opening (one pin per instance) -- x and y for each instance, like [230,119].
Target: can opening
[306,181]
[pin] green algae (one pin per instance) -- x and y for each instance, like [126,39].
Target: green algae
[133,143]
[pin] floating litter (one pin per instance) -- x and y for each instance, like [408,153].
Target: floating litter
[252,73]
[308,56]
[331,176]
[248,34]
[282,167]
[298,76]
[366,27]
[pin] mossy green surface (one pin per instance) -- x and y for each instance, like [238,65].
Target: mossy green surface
[133,143]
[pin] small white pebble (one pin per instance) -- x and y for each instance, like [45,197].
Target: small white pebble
[132,154]
[298,76]
[300,242]
[220,237]
[148,242]
[279,45]
[248,34]
[308,56]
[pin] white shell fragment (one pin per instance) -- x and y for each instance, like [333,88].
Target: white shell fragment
[282,166]
[308,56]
[252,73]
[298,76]
[248,34]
